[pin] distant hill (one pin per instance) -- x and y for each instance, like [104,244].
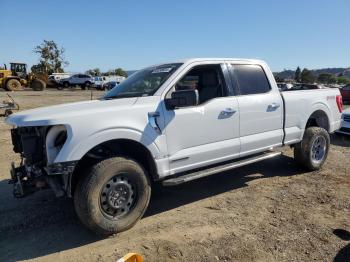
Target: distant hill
[334,71]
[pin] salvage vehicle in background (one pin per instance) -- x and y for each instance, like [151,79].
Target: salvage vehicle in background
[17,77]
[170,123]
[345,125]
[345,92]
[99,82]
[56,77]
[110,85]
[82,80]
[284,86]
[305,86]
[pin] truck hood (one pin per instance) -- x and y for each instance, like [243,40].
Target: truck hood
[60,114]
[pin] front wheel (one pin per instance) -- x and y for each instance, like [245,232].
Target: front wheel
[113,195]
[312,151]
[13,85]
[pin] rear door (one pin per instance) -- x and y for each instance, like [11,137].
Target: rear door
[260,109]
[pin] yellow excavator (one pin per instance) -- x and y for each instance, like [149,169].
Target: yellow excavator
[16,78]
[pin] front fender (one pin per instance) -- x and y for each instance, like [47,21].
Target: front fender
[72,151]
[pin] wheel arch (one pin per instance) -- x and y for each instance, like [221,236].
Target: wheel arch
[121,147]
[319,118]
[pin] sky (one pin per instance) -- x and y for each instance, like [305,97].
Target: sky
[134,34]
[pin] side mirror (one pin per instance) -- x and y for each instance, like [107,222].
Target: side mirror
[182,98]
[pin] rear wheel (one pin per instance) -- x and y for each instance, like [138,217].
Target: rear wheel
[13,85]
[66,84]
[112,196]
[86,85]
[312,151]
[38,85]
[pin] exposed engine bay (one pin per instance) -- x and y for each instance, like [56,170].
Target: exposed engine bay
[38,147]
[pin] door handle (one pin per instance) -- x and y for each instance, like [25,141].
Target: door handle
[228,111]
[273,106]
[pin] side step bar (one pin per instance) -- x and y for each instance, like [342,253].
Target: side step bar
[217,169]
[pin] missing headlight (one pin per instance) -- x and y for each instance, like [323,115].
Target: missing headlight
[60,138]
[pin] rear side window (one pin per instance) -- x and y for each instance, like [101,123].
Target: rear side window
[251,79]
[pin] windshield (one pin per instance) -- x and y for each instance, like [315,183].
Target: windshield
[144,82]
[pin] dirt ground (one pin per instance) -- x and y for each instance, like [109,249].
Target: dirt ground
[269,211]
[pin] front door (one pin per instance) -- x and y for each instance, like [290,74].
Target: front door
[209,132]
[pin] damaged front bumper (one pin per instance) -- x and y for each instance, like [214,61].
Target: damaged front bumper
[37,147]
[55,176]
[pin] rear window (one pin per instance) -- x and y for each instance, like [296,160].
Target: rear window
[251,79]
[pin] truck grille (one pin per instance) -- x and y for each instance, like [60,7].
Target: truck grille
[347,118]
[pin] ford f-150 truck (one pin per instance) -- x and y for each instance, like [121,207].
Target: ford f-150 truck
[172,123]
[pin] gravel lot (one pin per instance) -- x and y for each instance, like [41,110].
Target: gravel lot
[269,211]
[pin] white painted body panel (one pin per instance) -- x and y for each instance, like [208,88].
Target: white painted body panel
[299,105]
[189,137]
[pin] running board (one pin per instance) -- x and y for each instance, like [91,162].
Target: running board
[217,169]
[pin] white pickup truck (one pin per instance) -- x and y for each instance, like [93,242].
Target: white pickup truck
[171,123]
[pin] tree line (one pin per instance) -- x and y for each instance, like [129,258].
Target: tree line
[97,72]
[307,76]
[52,60]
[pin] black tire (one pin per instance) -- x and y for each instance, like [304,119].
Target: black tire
[86,85]
[13,85]
[91,199]
[38,85]
[303,151]
[66,84]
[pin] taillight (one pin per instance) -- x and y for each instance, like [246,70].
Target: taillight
[339,100]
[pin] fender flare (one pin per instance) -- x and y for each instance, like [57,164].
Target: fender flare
[69,153]
[319,106]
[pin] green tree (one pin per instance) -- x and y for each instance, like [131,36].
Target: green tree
[93,72]
[51,58]
[325,78]
[297,74]
[109,73]
[120,72]
[277,78]
[343,80]
[307,76]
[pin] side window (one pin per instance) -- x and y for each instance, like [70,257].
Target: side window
[251,79]
[208,80]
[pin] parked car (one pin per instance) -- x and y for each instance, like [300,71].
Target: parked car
[304,86]
[99,82]
[284,86]
[110,85]
[82,80]
[345,92]
[171,123]
[56,77]
[345,126]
